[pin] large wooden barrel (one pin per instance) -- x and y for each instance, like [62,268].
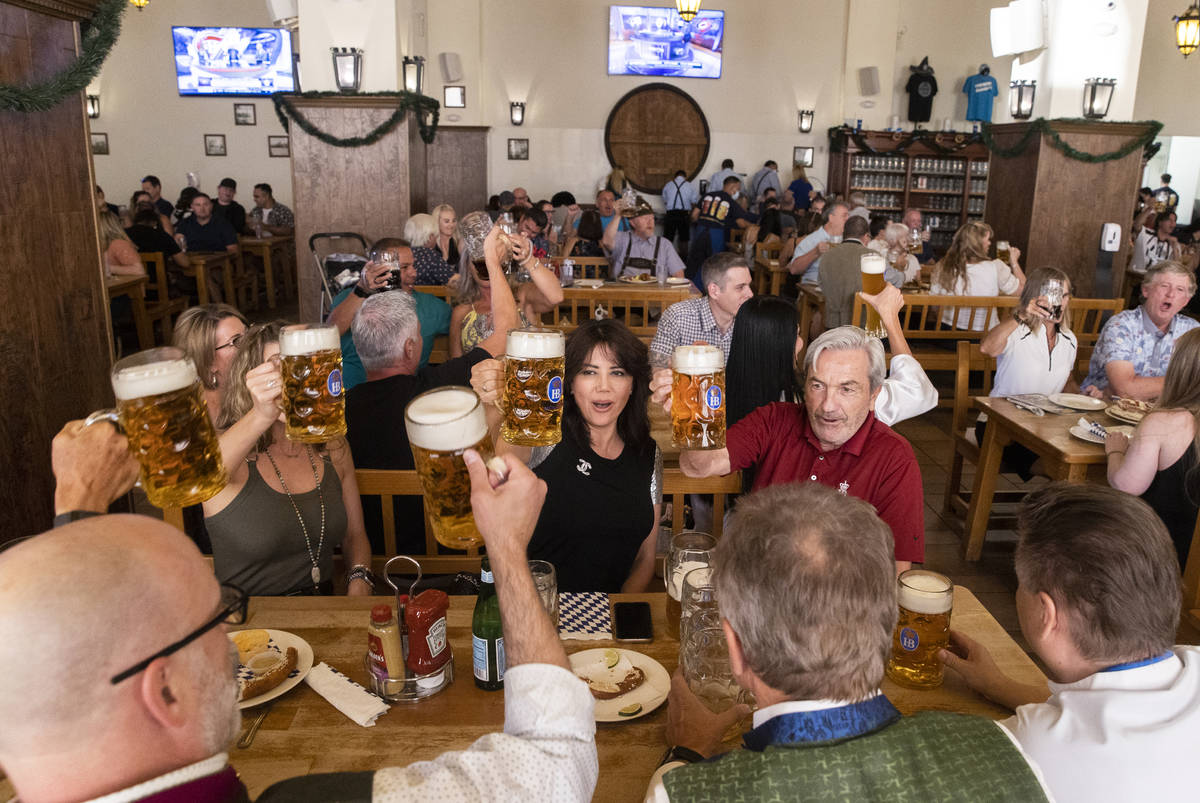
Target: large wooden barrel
[653,131]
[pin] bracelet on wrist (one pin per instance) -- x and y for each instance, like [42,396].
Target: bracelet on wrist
[361,292]
[361,573]
[679,753]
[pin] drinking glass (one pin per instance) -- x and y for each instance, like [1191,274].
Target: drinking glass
[689,550]
[545,580]
[698,602]
[705,662]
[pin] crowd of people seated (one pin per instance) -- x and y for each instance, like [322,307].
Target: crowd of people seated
[832,499]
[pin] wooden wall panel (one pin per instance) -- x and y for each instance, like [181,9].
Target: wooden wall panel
[456,165]
[55,341]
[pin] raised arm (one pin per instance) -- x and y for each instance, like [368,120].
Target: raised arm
[92,467]
[907,391]
[504,306]
[240,440]
[610,231]
[355,548]
[371,280]
[544,291]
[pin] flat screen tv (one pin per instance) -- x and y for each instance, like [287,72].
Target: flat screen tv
[233,61]
[656,41]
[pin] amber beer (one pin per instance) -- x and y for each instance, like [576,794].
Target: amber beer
[698,397]
[443,423]
[160,405]
[313,398]
[872,267]
[1002,252]
[533,387]
[923,628]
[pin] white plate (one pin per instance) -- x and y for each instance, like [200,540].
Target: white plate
[1121,414]
[304,661]
[590,283]
[1085,435]
[650,694]
[1077,401]
[678,280]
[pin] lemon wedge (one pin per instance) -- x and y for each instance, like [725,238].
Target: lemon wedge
[630,710]
[611,657]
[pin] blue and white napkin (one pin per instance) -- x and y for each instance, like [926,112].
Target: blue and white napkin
[584,616]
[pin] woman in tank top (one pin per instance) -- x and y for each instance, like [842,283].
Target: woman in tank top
[288,505]
[1160,461]
[599,523]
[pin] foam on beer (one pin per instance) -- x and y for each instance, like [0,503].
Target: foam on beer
[153,379]
[695,360]
[446,420]
[923,592]
[872,263]
[535,344]
[295,341]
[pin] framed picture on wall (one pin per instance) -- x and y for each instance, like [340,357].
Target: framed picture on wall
[518,149]
[244,114]
[802,156]
[454,97]
[99,144]
[279,146]
[214,144]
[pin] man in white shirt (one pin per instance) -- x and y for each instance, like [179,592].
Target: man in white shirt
[806,259]
[138,719]
[1098,599]
[717,180]
[765,179]
[809,637]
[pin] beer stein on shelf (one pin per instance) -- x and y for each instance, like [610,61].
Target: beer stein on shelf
[534,367]
[310,361]
[442,424]
[698,397]
[922,629]
[161,408]
[421,619]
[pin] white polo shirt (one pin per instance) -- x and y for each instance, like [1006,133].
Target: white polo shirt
[1028,366]
[1130,734]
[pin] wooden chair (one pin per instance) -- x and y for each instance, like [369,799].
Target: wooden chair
[768,274]
[962,432]
[677,485]
[163,307]
[636,309]
[735,240]
[243,282]
[587,267]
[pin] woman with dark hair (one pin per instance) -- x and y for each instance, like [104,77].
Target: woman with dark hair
[762,356]
[585,242]
[599,524]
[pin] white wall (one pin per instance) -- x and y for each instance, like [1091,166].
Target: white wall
[1167,81]
[152,129]
[1183,163]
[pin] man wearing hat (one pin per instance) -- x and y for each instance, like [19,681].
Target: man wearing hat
[640,250]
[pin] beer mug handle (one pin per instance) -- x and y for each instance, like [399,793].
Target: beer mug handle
[500,401]
[104,415]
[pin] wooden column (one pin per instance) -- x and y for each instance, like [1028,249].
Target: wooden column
[1053,207]
[55,338]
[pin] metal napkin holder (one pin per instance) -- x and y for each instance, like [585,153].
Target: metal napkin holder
[412,687]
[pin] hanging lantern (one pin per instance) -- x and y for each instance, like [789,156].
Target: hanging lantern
[140,4]
[687,9]
[414,73]
[347,68]
[1097,94]
[1020,99]
[805,121]
[1187,30]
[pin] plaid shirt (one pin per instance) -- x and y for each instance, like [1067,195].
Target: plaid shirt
[686,322]
[277,215]
[1131,336]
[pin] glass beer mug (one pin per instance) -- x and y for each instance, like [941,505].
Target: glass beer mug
[872,267]
[534,366]
[922,628]
[310,361]
[442,424]
[698,397]
[161,408]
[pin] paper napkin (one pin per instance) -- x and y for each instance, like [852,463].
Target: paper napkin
[345,695]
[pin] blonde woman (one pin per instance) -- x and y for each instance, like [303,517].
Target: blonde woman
[1160,462]
[209,334]
[966,270]
[447,221]
[421,232]
[288,506]
[120,254]
[895,238]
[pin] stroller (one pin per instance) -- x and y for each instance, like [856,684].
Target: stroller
[333,253]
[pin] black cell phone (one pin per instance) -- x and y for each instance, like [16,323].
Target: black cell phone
[631,621]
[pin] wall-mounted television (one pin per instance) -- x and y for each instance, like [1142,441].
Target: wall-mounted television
[233,61]
[646,40]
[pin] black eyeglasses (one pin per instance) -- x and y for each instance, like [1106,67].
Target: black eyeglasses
[232,611]
[233,341]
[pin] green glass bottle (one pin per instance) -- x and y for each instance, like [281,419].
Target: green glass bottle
[487,635]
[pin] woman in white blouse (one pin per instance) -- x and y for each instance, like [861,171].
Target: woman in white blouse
[965,270]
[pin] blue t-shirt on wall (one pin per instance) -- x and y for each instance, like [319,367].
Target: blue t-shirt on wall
[980,90]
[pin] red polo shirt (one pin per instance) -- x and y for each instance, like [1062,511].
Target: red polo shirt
[875,465]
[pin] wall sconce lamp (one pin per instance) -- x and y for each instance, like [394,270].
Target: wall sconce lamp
[516,112]
[1187,30]
[805,120]
[1020,99]
[93,106]
[347,68]
[414,73]
[687,9]
[1097,94]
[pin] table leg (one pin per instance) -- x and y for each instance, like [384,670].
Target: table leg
[201,277]
[268,276]
[990,453]
[776,282]
[1077,472]
[141,322]
[227,281]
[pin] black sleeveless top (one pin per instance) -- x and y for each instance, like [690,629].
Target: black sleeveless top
[597,513]
[1175,496]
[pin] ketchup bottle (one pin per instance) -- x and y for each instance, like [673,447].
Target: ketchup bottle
[425,617]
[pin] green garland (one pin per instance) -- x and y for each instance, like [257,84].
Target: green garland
[1044,126]
[425,108]
[97,41]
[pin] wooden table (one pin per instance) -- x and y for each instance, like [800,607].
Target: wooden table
[812,303]
[203,263]
[267,249]
[304,734]
[135,288]
[769,273]
[1065,457]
